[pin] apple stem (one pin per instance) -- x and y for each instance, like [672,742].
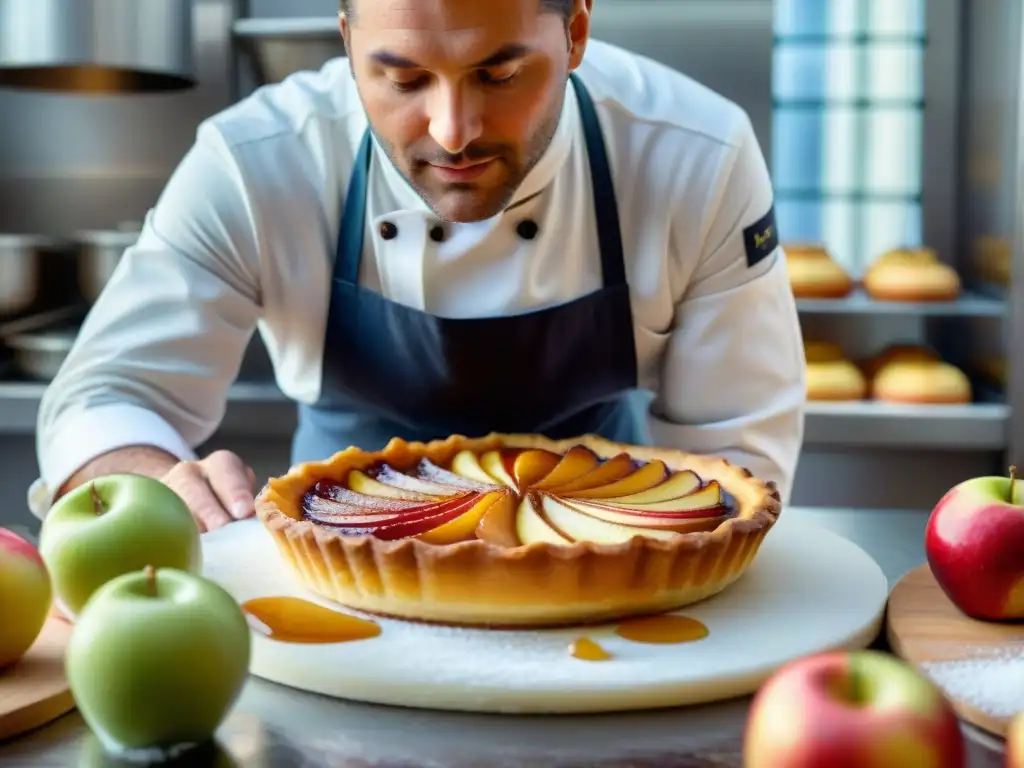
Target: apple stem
[150,572]
[1013,479]
[97,502]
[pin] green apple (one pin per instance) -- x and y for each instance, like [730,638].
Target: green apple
[156,660]
[114,525]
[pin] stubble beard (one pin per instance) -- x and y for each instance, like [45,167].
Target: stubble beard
[472,202]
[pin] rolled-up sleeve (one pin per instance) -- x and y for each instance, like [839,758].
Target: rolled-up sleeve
[732,380]
[164,342]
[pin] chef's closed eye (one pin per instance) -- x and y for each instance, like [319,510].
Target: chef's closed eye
[501,76]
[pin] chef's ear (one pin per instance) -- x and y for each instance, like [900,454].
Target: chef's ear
[578,31]
[345,29]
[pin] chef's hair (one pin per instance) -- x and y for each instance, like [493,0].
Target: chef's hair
[563,7]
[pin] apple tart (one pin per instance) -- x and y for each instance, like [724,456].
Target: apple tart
[517,530]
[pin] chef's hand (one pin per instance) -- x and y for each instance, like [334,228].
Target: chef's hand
[218,489]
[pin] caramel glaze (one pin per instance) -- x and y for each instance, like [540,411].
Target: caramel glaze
[664,629]
[667,628]
[294,620]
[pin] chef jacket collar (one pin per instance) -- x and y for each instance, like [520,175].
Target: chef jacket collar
[539,177]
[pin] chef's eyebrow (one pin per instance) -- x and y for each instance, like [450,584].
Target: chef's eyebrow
[503,55]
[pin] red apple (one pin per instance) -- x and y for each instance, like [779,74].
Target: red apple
[975,547]
[25,596]
[1015,743]
[851,709]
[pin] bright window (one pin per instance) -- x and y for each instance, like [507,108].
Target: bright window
[848,88]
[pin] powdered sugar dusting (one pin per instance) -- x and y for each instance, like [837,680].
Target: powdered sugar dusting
[990,681]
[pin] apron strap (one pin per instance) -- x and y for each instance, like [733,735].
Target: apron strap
[353,221]
[606,209]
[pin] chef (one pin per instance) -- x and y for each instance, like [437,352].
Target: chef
[479,220]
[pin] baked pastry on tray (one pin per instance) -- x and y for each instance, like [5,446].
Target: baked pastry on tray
[517,530]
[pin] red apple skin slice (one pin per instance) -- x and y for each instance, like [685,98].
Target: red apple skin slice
[610,471]
[406,519]
[707,520]
[576,462]
[315,507]
[646,477]
[707,497]
[676,485]
[463,527]
[417,525]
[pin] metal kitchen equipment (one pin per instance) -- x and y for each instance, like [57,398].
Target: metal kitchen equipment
[24,259]
[96,46]
[36,345]
[40,354]
[98,254]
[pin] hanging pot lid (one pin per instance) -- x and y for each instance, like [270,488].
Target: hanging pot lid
[96,46]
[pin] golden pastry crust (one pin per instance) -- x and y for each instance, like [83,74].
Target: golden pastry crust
[813,274]
[922,383]
[911,274]
[480,583]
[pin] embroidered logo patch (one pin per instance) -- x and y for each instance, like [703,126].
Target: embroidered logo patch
[761,238]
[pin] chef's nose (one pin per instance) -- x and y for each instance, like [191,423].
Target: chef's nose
[455,117]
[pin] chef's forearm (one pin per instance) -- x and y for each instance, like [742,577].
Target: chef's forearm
[139,460]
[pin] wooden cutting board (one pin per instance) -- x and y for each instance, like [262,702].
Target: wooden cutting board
[35,690]
[974,662]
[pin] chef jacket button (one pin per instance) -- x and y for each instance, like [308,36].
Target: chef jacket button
[388,230]
[527,229]
[437,233]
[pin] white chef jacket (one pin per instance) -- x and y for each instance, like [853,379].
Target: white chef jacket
[244,235]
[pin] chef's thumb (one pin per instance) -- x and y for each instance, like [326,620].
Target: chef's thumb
[233,483]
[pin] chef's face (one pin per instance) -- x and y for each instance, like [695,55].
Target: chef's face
[464,95]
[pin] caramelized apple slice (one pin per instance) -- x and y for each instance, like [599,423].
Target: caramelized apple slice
[531,466]
[531,527]
[493,464]
[678,484]
[388,475]
[648,476]
[707,497]
[616,468]
[585,528]
[498,525]
[465,463]
[360,482]
[706,520]
[576,462]
[429,471]
[464,526]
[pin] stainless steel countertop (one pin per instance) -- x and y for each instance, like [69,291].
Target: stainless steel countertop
[275,726]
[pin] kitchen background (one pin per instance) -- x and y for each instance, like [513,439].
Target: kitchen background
[885,123]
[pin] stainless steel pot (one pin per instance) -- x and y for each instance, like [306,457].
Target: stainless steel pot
[99,252]
[96,46]
[22,261]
